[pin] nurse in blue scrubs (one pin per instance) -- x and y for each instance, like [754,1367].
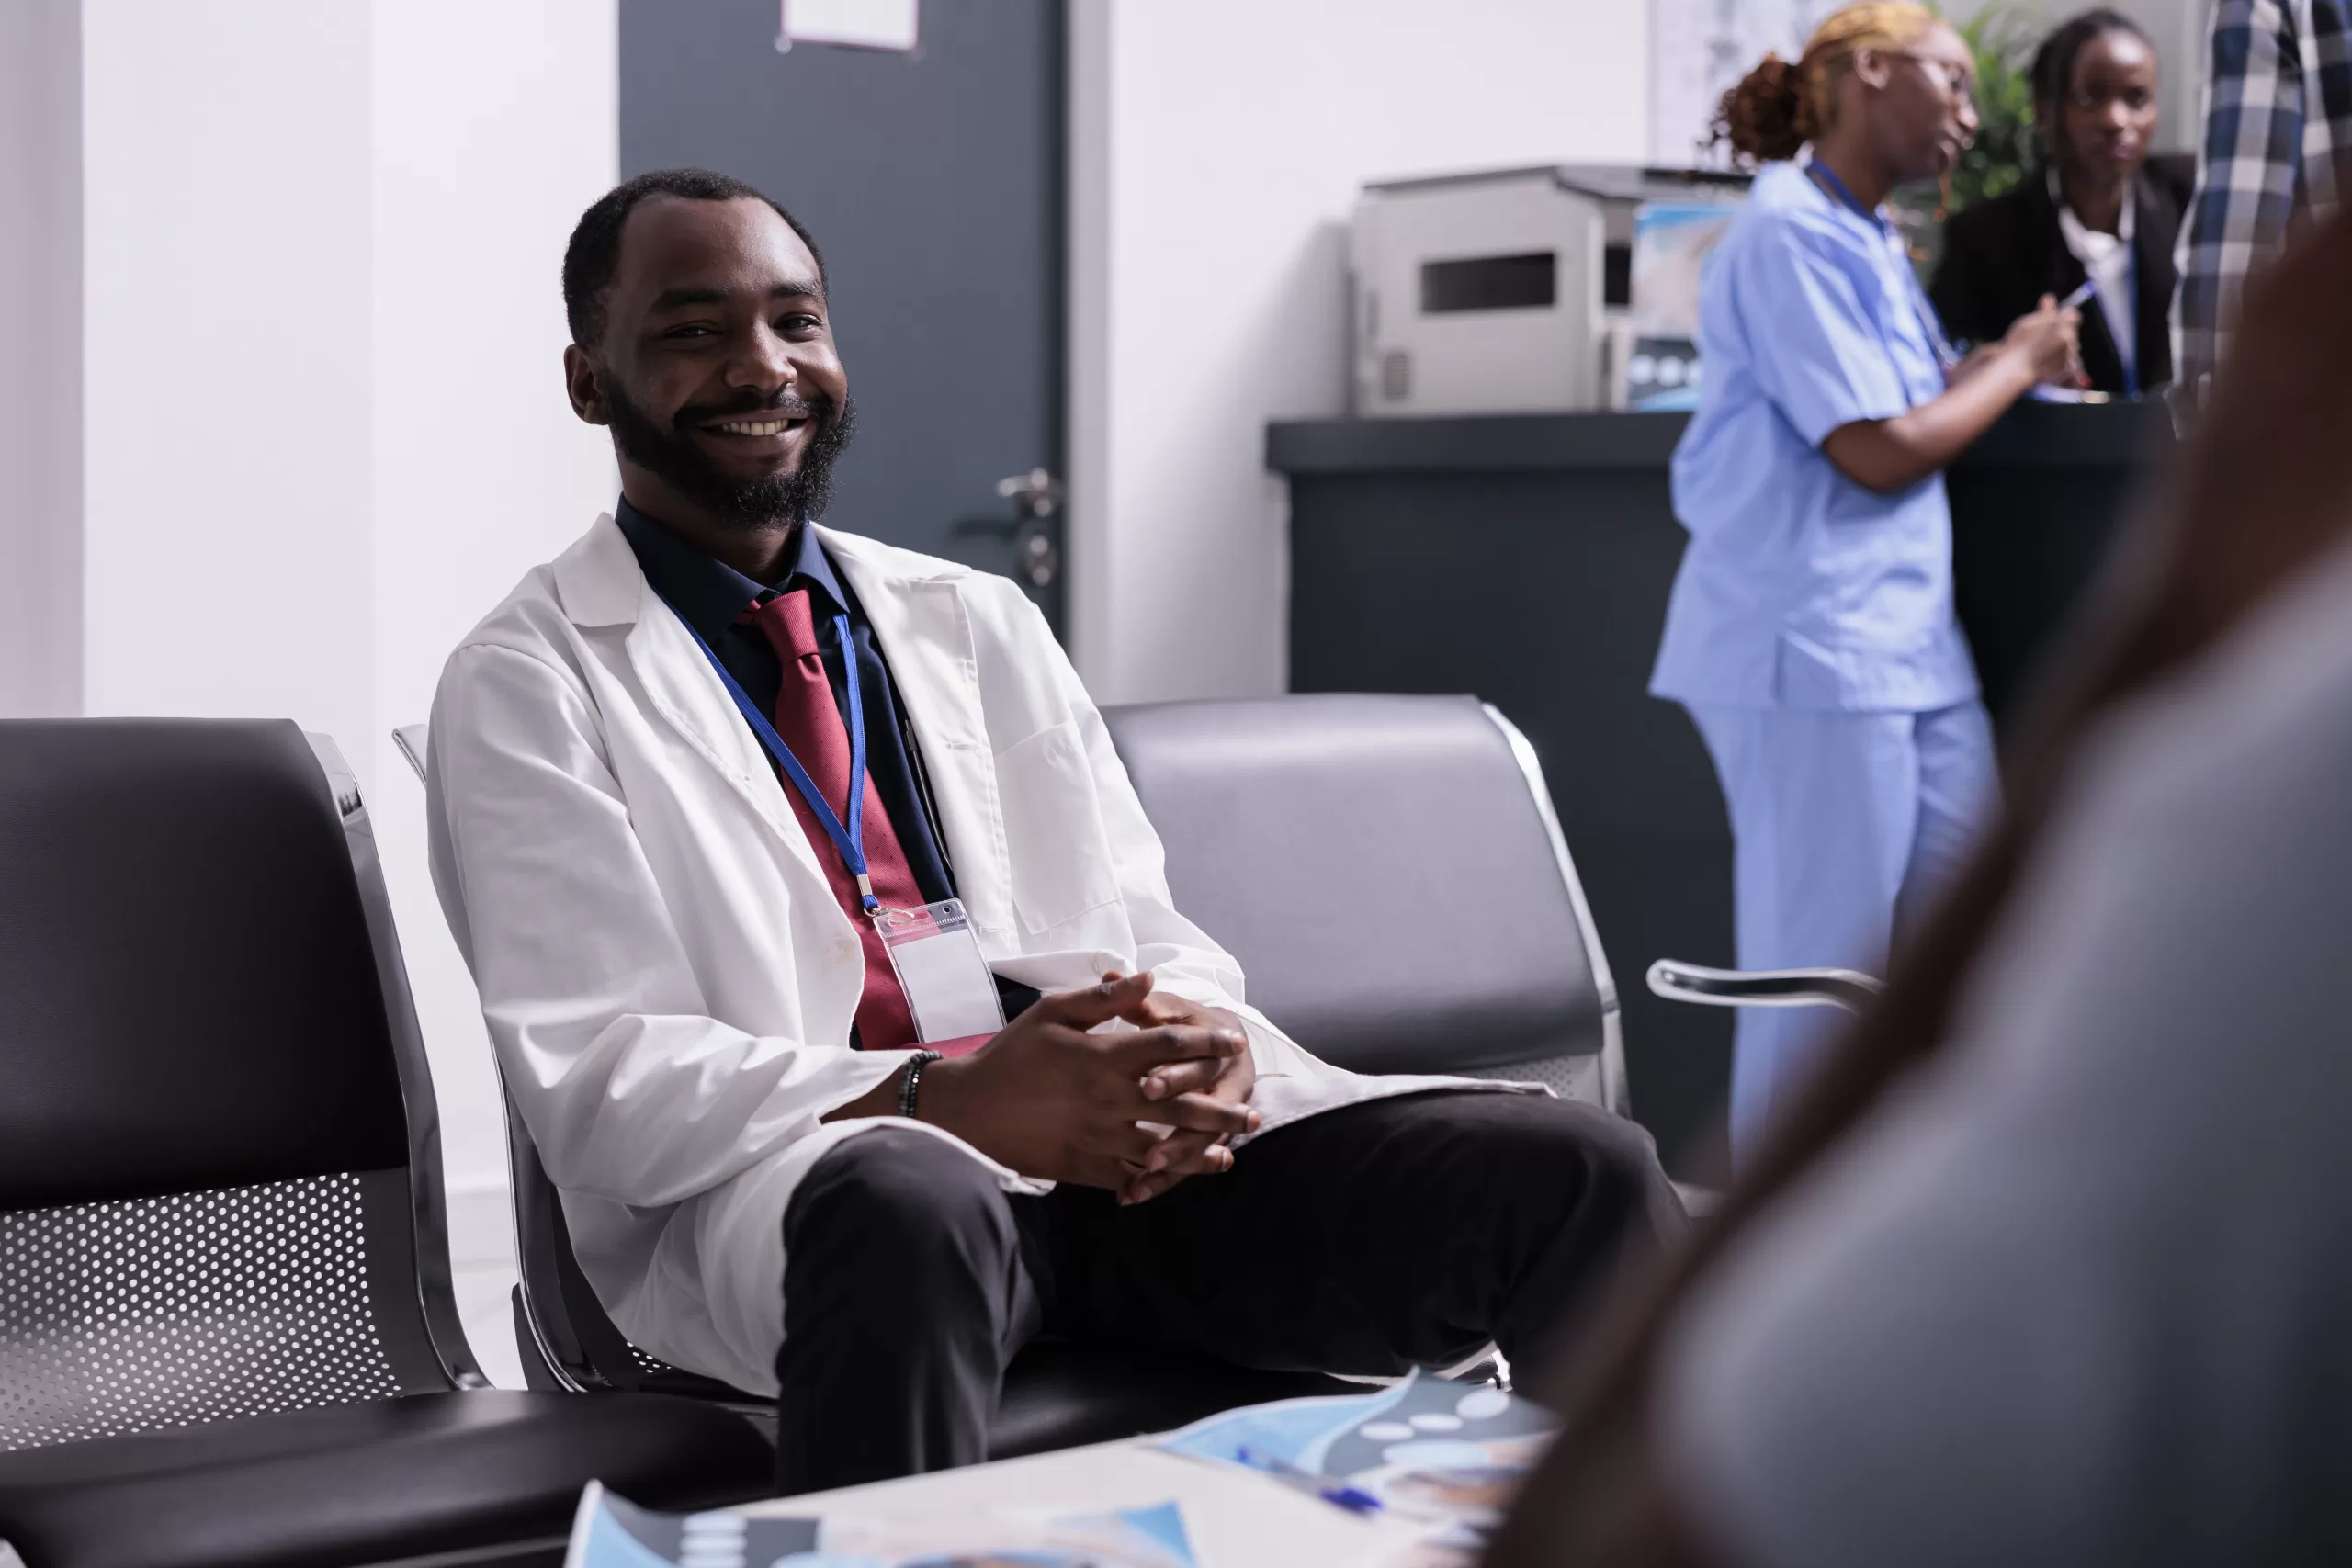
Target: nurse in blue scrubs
[1811,633]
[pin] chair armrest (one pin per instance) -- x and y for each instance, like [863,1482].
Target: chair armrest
[411,740]
[1680,982]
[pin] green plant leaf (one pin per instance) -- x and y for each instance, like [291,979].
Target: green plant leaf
[2003,38]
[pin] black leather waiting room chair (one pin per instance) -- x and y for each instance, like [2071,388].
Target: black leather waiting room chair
[1057,1394]
[227,1335]
[1390,874]
[1449,932]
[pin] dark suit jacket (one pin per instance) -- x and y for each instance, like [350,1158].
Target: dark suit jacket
[2001,257]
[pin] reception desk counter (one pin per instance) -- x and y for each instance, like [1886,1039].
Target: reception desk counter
[1527,558]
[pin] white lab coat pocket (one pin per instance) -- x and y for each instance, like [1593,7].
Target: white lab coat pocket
[1052,826]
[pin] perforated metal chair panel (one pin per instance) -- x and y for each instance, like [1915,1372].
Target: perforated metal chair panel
[1570,1077]
[1382,871]
[162,1312]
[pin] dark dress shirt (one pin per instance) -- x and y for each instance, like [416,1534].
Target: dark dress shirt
[2001,257]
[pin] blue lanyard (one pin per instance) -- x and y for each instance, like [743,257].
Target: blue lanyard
[2129,353]
[1939,345]
[1844,192]
[850,839]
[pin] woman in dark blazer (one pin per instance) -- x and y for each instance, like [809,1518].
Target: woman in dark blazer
[2091,196]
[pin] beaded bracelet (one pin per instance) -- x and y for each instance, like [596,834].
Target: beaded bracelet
[914,1076]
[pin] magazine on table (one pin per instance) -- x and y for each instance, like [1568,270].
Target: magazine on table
[609,1532]
[1445,1455]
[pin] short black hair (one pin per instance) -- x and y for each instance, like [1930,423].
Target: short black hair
[594,253]
[2051,75]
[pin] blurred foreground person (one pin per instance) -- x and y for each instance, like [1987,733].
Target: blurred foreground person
[1810,633]
[2278,130]
[2089,212]
[2049,1267]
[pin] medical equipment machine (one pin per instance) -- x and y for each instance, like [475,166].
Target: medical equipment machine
[1505,292]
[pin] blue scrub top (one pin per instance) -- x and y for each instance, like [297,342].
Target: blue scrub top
[1801,588]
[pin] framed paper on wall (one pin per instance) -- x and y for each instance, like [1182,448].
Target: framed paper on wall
[1698,49]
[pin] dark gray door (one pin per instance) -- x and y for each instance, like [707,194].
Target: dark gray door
[933,181]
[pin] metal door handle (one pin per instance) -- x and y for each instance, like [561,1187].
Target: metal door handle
[1037,559]
[1038,493]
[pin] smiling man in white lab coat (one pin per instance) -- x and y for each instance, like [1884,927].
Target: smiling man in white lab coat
[755,832]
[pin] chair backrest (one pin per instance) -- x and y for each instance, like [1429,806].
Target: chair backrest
[412,739]
[220,1184]
[1390,874]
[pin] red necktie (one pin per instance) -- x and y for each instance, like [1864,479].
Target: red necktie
[811,723]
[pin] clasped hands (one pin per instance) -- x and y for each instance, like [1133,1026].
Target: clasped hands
[1050,1099]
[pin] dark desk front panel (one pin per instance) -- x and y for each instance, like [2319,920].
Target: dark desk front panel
[1528,559]
[2035,507]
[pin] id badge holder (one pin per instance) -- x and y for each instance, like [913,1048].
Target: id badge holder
[936,956]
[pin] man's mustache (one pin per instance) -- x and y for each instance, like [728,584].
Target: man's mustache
[787,404]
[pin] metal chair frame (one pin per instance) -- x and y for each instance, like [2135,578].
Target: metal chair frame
[1615,1096]
[1679,982]
[428,1202]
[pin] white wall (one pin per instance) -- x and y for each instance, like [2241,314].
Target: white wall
[228,361]
[1218,146]
[325,426]
[40,358]
[495,123]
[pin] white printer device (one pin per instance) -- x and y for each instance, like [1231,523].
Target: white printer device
[1506,292]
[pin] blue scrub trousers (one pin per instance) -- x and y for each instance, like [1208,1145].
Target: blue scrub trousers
[1845,826]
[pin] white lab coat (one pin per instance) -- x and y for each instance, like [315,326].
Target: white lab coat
[667,977]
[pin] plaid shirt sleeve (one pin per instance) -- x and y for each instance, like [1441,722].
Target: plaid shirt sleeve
[2247,171]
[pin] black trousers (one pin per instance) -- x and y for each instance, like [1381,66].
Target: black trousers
[1395,1234]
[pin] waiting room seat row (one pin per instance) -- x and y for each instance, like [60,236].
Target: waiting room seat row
[227,1330]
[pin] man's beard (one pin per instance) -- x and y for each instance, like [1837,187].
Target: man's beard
[670,455]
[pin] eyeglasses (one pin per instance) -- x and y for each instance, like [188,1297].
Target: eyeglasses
[1957,80]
